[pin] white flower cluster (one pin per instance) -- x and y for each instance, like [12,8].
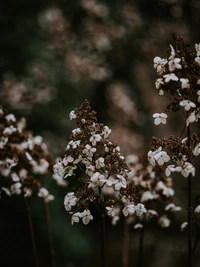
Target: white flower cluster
[130,209]
[161,157]
[24,158]
[174,73]
[152,190]
[102,165]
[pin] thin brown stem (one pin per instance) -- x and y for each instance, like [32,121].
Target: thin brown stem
[102,233]
[50,235]
[196,243]
[141,247]
[125,244]
[31,231]
[190,208]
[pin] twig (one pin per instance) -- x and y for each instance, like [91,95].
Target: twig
[102,233]
[50,235]
[31,231]
[190,209]
[141,246]
[196,243]
[125,244]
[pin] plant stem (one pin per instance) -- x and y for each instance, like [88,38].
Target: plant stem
[125,244]
[196,243]
[103,241]
[190,209]
[141,246]
[50,235]
[31,231]
[102,233]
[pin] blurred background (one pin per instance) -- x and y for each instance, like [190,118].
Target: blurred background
[53,55]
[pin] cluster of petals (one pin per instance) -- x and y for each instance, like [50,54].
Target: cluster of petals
[187,104]
[160,118]
[158,156]
[85,216]
[172,168]
[138,209]
[70,200]
[159,65]
[188,169]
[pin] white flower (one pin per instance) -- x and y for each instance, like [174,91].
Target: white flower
[187,169]
[164,222]
[197,47]
[183,225]
[162,157]
[95,138]
[43,192]
[128,210]
[159,65]
[158,82]
[174,64]
[10,117]
[198,93]
[49,198]
[9,130]
[70,200]
[72,115]
[75,217]
[138,226]
[58,169]
[147,196]
[172,207]
[98,179]
[172,168]
[172,52]
[196,151]
[140,209]
[191,118]
[73,144]
[166,191]
[197,60]
[170,77]
[110,211]
[68,159]
[40,168]
[106,132]
[86,216]
[197,209]
[77,130]
[187,104]
[59,180]
[151,155]
[151,213]
[115,219]
[159,61]
[184,83]
[120,182]
[90,170]
[76,161]
[16,188]
[100,163]
[160,118]
[89,150]
[15,177]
